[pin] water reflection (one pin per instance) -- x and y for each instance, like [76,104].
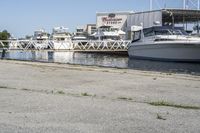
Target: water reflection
[159,66]
[90,59]
[71,57]
[106,60]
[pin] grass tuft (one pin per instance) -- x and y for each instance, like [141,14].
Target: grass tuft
[105,71]
[125,98]
[160,117]
[163,103]
[86,94]
[24,89]
[154,78]
[3,87]
[169,74]
[61,92]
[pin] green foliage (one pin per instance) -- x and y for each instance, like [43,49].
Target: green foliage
[4,35]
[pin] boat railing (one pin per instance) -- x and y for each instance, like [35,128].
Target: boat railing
[175,37]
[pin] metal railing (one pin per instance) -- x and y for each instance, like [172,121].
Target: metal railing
[101,45]
[76,45]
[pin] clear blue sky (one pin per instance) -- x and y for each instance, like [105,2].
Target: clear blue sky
[22,17]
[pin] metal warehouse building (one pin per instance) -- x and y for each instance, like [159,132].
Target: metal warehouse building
[164,16]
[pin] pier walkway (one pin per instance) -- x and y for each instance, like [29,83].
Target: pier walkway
[75,45]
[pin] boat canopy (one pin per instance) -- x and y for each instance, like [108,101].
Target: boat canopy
[180,15]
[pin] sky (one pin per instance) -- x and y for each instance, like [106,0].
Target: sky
[23,17]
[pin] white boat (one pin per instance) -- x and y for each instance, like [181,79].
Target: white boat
[165,44]
[108,33]
[61,38]
[13,44]
[41,37]
[79,38]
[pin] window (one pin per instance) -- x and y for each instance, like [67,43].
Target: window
[162,32]
[148,32]
[179,32]
[136,36]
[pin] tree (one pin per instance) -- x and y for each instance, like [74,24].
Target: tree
[4,35]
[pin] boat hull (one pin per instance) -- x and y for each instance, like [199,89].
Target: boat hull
[180,52]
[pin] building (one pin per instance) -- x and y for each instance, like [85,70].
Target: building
[91,29]
[80,31]
[117,20]
[163,17]
[86,30]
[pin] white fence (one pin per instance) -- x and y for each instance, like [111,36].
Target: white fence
[76,45]
[91,45]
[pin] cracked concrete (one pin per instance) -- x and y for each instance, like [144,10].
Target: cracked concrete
[115,101]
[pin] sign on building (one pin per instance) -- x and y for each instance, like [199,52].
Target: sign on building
[116,20]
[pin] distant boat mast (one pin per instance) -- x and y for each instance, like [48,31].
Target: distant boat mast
[151,5]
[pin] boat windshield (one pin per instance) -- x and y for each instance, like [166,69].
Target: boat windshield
[178,32]
[163,31]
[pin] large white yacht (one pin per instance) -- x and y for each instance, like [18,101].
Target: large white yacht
[61,38]
[165,44]
[108,33]
[41,37]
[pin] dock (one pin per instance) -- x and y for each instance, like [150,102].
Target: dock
[71,45]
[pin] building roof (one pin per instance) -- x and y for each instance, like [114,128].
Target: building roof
[115,12]
[180,15]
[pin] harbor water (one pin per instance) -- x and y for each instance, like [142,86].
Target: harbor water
[104,60]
